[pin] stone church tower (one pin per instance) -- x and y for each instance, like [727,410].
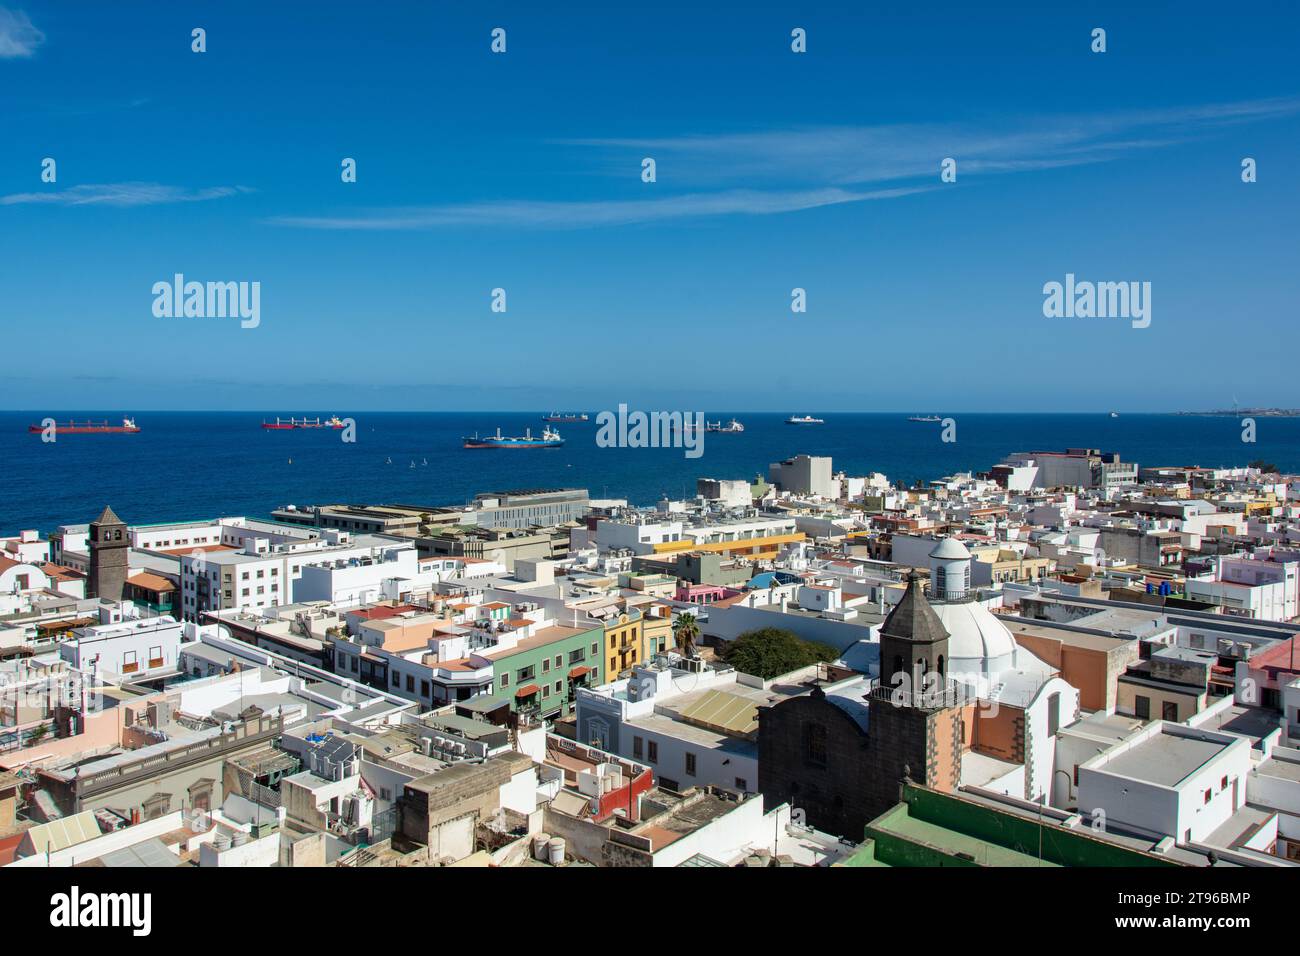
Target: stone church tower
[109,547]
[913,641]
[915,726]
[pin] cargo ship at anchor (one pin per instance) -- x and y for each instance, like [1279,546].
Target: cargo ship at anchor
[281,424]
[550,439]
[128,427]
[732,427]
[565,417]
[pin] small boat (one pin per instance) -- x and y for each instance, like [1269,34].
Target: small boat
[804,420]
[565,417]
[550,439]
[128,427]
[1114,414]
[732,427]
[924,418]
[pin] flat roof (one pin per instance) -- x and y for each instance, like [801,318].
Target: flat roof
[1164,758]
[1062,632]
[901,822]
[679,729]
[1253,722]
[1102,726]
[1276,766]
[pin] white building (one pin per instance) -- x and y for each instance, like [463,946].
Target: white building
[268,573]
[1168,779]
[1072,468]
[125,646]
[729,492]
[641,534]
[18,579]
[804,475]
[26,548]
[1266,589]
[694,727]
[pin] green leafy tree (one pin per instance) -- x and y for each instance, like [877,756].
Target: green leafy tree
[772,651]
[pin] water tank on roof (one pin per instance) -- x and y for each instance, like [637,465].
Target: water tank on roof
[555,851]
[539,845]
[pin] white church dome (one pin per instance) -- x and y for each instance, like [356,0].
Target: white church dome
[950,549]
[976,639]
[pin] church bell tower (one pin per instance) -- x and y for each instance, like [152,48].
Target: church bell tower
[913,641]
[109,547]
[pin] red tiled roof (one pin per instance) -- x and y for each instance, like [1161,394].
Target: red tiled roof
[58,572]
[190,549]
[380,612]
[151,582]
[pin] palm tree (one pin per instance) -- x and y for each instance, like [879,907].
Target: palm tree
[686,631]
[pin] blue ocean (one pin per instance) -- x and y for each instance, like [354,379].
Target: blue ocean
[189,465]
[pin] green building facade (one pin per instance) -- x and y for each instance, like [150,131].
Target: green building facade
[541,676]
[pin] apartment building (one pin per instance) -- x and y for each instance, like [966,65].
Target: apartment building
[125,645]
[755,537]
[804,475]
[540,507]
[1073,468]
[264,573]
[540,674]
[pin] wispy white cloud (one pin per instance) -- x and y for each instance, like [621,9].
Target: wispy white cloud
[789,170]
[18,37]
[121,194]
[587,214]
[856,155]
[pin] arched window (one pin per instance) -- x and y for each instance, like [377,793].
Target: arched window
[941,670]
[814,744]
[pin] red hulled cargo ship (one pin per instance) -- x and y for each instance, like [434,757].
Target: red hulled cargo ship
[128,427]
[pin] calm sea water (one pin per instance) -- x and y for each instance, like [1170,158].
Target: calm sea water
[202,464]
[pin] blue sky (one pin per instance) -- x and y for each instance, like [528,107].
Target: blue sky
[522,171]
